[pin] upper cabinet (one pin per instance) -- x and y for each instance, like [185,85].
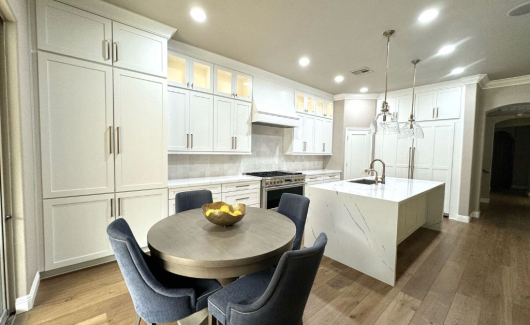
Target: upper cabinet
[312,137]
[439,105]
[190,73]
[309,104]
[403,107]
[328,109]
[230,83]
[232,125]
[70,31]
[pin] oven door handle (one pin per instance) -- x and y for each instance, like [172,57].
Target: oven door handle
[284,186]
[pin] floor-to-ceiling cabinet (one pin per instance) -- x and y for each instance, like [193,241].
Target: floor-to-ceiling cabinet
[103,117]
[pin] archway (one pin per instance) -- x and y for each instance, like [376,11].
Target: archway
[502,162]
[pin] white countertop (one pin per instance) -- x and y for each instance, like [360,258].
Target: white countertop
[395,189]
[320,172]
[176,183]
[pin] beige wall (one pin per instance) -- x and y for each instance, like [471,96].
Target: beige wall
[348,113]
[22,144]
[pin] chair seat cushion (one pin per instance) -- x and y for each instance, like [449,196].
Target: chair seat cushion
[244,291]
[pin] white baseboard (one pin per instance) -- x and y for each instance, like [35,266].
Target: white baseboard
[475,214]
[485,200]
[460,218]
[25,303]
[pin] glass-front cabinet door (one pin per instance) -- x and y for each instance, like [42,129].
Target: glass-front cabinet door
[311,104]
[223,82]
[177,70]
[201,73]
[300,102]
[320,107]
[243,86]
[328,109]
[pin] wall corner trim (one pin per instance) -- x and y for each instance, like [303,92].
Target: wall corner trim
[522,80]
[475,214]
[25,303]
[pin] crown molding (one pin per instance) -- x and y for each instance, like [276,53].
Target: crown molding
[522,80]
[480,79]
[355,96]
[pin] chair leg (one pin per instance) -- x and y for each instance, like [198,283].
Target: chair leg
[212,320]
[137,321]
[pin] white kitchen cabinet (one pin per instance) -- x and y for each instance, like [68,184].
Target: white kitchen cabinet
[403,106]
[328,136]
[232,125]
[323,135]
[136,50]
[70,31]
[141,210]
[201,120]
[309,133]
[75,229]
[247,197]
[320,109]
[190,73]
[231,83]
[424,106]
[448,102]
[140,118]
[300,102]
[76,121]
[328,109]
[313,136]
[178,120]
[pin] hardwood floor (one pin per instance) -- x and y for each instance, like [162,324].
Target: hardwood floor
[477,273]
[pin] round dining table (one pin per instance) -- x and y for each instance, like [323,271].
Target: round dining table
[188,244]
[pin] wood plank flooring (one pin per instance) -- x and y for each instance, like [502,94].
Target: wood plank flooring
[477,273]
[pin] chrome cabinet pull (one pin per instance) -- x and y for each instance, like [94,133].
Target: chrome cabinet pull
[115,51]
[242,185]
[112,208]
[106,45]
[410,153]
[110,140]
[118,139]
[236,142]
[119,207]
[433,109]
[188,84]
[243,198]
[187,140]
[236,94]
[412,167]
[192,85]
[437,111]
[192,140]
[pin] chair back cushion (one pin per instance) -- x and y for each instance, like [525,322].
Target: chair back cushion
[295,208]
[284,301]
[185,201]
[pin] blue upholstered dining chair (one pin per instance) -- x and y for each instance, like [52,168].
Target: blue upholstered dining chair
[185,201]
[273,296]
[158,296]
[295,208]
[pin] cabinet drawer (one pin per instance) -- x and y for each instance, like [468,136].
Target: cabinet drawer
[331,178]
[215,189]
[171,206]
[233,187]
[314,179]
[248,197]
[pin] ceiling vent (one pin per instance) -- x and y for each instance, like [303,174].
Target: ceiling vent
[361,71]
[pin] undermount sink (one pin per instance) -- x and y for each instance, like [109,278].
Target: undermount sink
[363,181]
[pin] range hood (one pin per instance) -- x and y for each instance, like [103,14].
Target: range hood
[273,105]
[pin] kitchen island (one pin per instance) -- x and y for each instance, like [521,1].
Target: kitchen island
[366,222]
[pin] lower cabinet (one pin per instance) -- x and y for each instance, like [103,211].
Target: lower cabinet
[215,189]
[75,228]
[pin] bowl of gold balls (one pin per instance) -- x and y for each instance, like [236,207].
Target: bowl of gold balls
[224,214]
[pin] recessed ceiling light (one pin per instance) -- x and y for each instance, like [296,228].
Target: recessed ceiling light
[198,14]
[428,15]
[446,50]
[304,62]
[363,89]
[520,10]
[339,79]
[457,70]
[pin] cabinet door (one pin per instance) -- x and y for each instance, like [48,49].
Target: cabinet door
[320,110]
[224,124]
[309,133]
[73,32]
[178,119]
[242,86]
[328,109]
[403,157]
[448,103]
[300,103]
[310,104]
[76,126]
[76,229]
[243,126]
[178,66]
[201,122]
[319,136]
[328,136]
[424,106]
[134,49]
[422,154]
[223,84]
[141,210]
[298,136]
[442,161]
[201,75]
[140,118]
[404,106]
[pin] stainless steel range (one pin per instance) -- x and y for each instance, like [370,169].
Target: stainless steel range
[275,183]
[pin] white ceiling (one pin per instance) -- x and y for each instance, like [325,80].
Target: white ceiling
[342,35]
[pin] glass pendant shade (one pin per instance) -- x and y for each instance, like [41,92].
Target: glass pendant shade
[411,130]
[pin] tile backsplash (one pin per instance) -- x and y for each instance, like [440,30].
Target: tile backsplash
[267,154]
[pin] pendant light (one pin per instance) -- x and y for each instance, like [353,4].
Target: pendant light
[385,121]
[412,129]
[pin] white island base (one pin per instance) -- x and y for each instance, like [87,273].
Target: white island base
[365,223]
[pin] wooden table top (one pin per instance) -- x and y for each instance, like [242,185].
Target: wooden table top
[188,244]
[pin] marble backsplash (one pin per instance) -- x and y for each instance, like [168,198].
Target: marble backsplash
[267,154]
